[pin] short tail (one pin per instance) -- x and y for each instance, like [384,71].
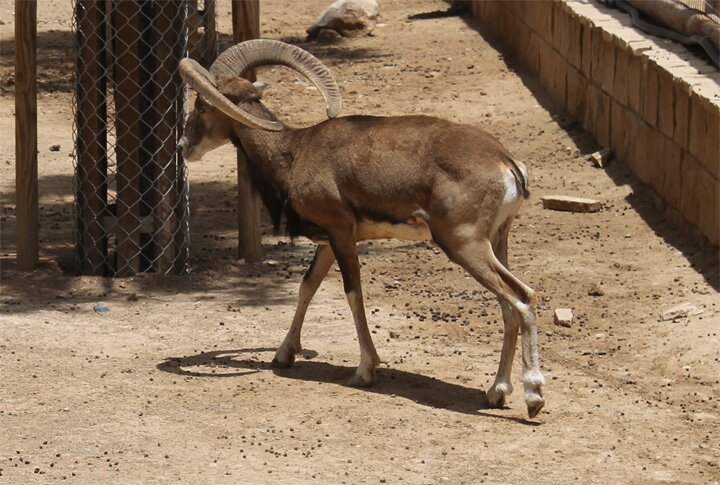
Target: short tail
[519,176]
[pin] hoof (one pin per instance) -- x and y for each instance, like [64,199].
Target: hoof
[495,400]
[360,381]
[278,364]
[535,406]
[495,397]
[533,382]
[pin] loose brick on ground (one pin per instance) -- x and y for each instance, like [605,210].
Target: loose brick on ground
[563,317]
[570,204]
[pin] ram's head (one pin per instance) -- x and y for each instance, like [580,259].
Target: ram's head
[226,98]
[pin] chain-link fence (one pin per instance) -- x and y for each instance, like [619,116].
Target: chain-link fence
[131,188]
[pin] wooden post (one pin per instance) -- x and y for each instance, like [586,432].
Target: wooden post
[127,47]
[181,210]
[202,45]
[209,20]
[91,137]
[194,37]
[26,176]
[164,86]
[246,26]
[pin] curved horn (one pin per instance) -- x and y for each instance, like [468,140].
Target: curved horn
[203,83]
[237,59]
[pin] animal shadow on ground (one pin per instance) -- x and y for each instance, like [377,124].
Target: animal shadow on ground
[423,390]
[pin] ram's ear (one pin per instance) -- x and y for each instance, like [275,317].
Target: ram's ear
[261,87]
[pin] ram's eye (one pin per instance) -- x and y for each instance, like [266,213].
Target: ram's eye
[200,109]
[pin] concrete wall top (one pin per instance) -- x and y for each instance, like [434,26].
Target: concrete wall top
[699,75]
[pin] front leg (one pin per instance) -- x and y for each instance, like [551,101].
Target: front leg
[343,245]
[321,263]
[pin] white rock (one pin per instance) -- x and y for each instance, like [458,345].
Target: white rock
[601,158]
[563,317]
[682,310]
[349,18]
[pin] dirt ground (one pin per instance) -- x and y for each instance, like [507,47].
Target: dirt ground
[174,383]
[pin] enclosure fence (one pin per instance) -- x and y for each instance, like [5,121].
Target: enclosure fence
[131,187]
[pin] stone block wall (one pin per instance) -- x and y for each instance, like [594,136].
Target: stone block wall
[654,103]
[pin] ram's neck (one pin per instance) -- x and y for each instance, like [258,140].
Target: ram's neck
[267,152]
[269,160]
[268,155]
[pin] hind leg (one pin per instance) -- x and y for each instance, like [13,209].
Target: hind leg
[323,260]
[478,259]
[502,387]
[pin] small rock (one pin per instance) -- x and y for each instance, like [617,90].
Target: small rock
[563,317]
[54,148]
[602,157]
[132,297]
[628,380]
[682,310]
[595,290]
[101,307]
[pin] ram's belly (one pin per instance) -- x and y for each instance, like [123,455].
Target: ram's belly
[412,230]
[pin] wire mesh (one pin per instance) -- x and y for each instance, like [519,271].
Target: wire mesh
[131,187]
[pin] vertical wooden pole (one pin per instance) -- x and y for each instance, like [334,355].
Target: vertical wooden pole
[194,37]
[91,137]
[246,26]
[26,176]
[164,84]
[127,47]
[181,210]
[210,31]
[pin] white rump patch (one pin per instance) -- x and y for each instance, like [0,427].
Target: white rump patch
[511,201]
